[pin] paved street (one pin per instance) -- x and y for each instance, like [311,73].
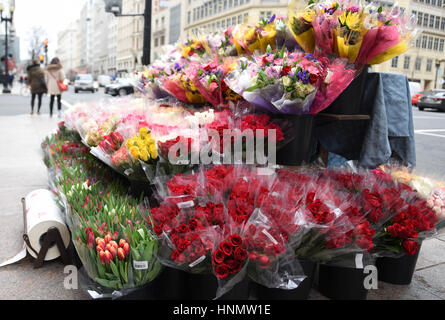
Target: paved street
[22,170]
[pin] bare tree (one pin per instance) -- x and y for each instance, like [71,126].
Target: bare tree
[36,36]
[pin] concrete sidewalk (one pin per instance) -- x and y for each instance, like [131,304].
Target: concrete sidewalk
[22,171]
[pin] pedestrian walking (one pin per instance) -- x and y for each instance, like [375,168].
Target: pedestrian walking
[55,77]
[36,79]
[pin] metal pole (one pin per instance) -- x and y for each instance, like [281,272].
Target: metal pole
[5,85]
[437,71]
[147,34]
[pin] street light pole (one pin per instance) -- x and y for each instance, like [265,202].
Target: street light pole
[6,20]
[147,34]
[438,63]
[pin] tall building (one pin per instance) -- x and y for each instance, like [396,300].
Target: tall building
[130,39]
[104,40]
[212,15]
[86,32]
[68,49]
[174,19]
[424,62]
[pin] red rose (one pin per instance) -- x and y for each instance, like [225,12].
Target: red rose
[313,78]
[219,256]
[410,247]
[222,271]
[286,70]
[227,248]
[240,254]
[264,262]
[236,240]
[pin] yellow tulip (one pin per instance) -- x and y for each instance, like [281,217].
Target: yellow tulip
[144,156]
[134,151]
[153,151]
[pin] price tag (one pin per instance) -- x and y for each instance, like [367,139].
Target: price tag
[188,204]
[197,261]
[359,260]
[140,265]
[267,234]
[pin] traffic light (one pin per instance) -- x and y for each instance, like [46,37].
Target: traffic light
[113,6]
[42,58]
[45,43]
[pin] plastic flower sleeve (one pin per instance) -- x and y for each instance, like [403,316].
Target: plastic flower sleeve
[284,36]
[339,76]
[229,260]
[300,23]
[272,262]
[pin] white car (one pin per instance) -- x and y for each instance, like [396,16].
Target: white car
[85,82]
[103,80]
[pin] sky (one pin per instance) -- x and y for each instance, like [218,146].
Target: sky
[53,15]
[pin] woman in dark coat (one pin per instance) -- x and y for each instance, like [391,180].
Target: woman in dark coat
[36,79]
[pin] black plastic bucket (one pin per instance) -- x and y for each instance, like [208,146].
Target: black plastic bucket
[139,187]
[349,102]
[340,283]
[170,285]
[297,151]
[300,293]
[397,270]
[204,287]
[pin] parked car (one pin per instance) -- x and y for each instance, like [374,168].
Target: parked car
[85,82]
[121,87]
[433,101]
[104,80]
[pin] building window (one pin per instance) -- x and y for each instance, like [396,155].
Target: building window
[240,19]
[233,21]
[406,62]
[156,42]
[394,62]
[427,1]
[189,17]
[162,40]
[439,3]
[437,25]
[419,19]
[418,41]
[441,45]
[426,16]
[418,64]
[436,44]
[230,4]
[424,41]
[433,2]
[431,25]
[430,43]
[442,24]
[429,65]
[246,18]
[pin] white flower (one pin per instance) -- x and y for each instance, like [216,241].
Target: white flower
[286,81]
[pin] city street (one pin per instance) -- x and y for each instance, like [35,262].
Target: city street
[22,171]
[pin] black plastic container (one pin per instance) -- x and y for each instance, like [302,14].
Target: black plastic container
[297,151]
[171,284]
[301,293]
[340,283]
[146,292]
[139,187]
[349,102]
[397,270]
[204,286]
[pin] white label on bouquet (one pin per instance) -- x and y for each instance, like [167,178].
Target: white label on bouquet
[338,212]
[359,260]
[140,265]
[128,171]
[197,261]
[188,204]
[267,234]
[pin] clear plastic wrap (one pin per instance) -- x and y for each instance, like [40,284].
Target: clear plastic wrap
[272,262]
